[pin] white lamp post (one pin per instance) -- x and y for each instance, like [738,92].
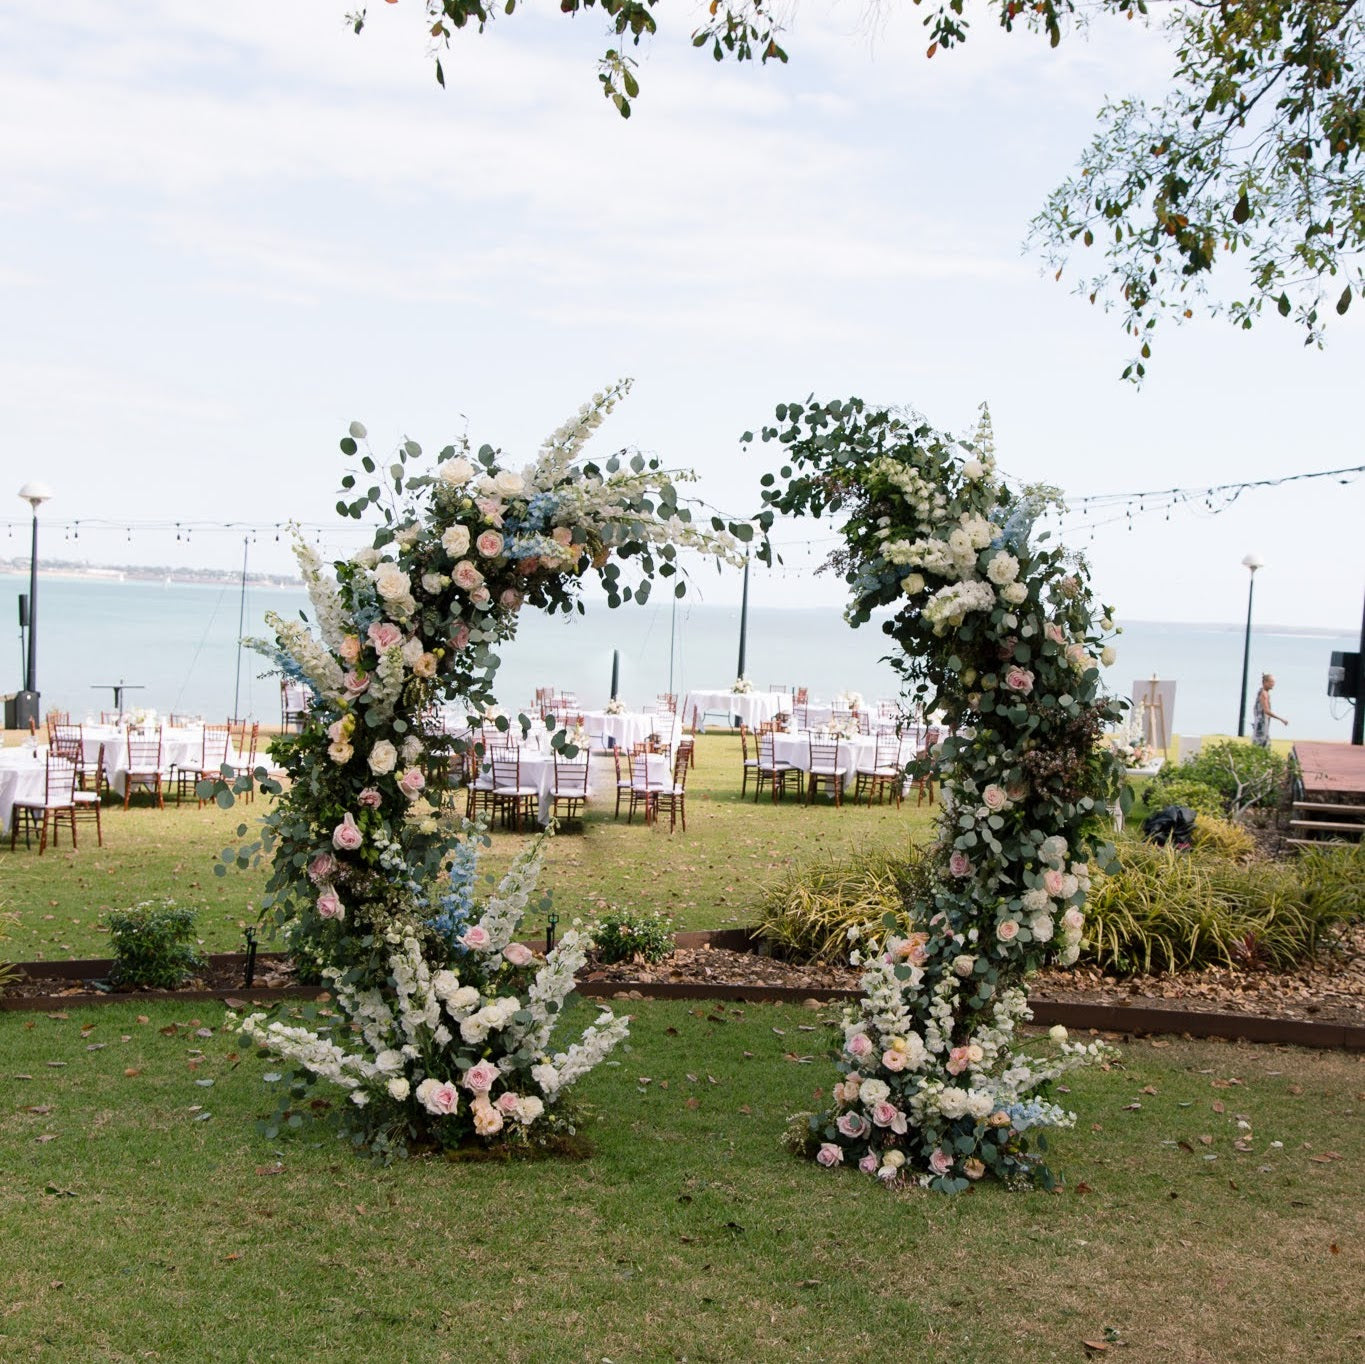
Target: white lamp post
[1251,563]
[27,710]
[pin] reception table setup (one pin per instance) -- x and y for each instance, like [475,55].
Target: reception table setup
[750,708]
[23,779]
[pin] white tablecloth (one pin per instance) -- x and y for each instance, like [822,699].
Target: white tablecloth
[853,753]
[537,770]
[751,707]
[631,727]
[23,777]
[181,748]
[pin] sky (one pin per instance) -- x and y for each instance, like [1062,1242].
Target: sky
[227,231]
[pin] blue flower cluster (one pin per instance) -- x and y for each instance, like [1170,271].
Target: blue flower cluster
[1035,1113]
[456,903]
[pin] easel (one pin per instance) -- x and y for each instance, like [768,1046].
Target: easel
[1151,699]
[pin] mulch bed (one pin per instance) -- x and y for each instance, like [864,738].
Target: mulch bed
[1328,991]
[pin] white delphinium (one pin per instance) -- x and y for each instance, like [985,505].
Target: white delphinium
[552,985]
[316,663]
[507,905]
[567,1066]
[560,448]
[334,623]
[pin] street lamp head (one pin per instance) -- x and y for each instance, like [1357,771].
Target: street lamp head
[35,494]
[1253,562]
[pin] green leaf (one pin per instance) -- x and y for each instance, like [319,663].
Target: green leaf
[1242,209]
[1344,301]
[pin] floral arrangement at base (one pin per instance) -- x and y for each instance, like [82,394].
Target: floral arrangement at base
[444,1057]
[742,686]
[994,628]
[1130,744]
[444,1022]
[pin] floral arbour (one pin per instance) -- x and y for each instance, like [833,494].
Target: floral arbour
[444,1026]
[995,629]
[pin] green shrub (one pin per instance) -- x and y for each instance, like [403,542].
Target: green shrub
[620,935]
[1168,911]
[808,912]
[7,972]
[1333,880]
[1244,774]
[154,947]
[1202,798]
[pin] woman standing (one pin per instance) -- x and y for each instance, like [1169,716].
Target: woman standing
[1262,715]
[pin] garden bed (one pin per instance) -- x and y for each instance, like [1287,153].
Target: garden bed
[1322,1004]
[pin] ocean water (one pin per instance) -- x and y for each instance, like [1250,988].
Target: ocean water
[179,643]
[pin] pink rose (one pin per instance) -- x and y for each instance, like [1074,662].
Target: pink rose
[562,536]
[940,1162]
[1077,656]
[852,1124]
[346,837]
[481,596]
[884,1113]
[459,637]
[1053,881]
[973,1168]
[959,864]
[491,509]
[1073,920]
[518,954]
[1007,931]
[438,1096]
[829,1155]
[481,1077]
[1053,631]
[349,650]
[893,1059]
[489,544]
[411,783]
[329,904]
[1020,680]
[511,599]
[858,1045]
[384,635]
[322,867]
[508,1102]
[475,938]
[354,684]
[466,577]
[869,1164]
[336,731]
[958,1061]
[370,797]
[993,797]
[424,665]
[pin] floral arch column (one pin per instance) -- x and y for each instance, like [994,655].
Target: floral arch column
[995,628]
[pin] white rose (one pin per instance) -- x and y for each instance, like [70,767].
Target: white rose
[912,584]
[383,758]
[529,1108]
[457,472]
[1041,927]
[399,1088]
[1014,594]
[980,1104]
[1057,1033]
[432,583]
[455,541]
[412,650]
[1108,655]
[407,537]
[952,1103]
[1003,568]
[391,582]
[508,484]
[964,965]
[466,997]
[388,1061]
[365,558]
[973,469]
[873,1092]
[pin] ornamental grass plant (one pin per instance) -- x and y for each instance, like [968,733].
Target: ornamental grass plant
[1165,911]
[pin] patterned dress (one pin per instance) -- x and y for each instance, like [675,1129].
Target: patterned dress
[1260,721]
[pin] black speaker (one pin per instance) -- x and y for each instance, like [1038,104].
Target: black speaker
[23,610]
[1343,676]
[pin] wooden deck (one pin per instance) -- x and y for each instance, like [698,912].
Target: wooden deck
[1331,769]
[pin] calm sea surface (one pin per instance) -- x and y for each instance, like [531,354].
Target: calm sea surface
[179,642]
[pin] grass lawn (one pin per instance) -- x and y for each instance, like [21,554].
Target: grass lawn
[709,877]
[145,1219]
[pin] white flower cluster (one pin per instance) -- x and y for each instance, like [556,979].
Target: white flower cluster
[333,621]
[567,1066]
[506,907]
[950,604]
[313,658]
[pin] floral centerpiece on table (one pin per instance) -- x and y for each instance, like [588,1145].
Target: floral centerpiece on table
[1130,744]
[742,686]
[842,729]
[445,1025]
[615,707]
[850,700]
[141,717]
[994,627]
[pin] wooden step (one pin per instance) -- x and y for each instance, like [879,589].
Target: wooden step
[1319,805]
[1332,825]
[1319,843]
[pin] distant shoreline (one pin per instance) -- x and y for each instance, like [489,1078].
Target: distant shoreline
[180,577]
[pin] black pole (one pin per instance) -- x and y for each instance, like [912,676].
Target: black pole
[1246,660]
[241,626]
[672,641]
[31,672]
[615,672]
[1358,723]
[744,618]
[23,636]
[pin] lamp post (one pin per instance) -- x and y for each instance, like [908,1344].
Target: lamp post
[26,709]
[1251,563]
